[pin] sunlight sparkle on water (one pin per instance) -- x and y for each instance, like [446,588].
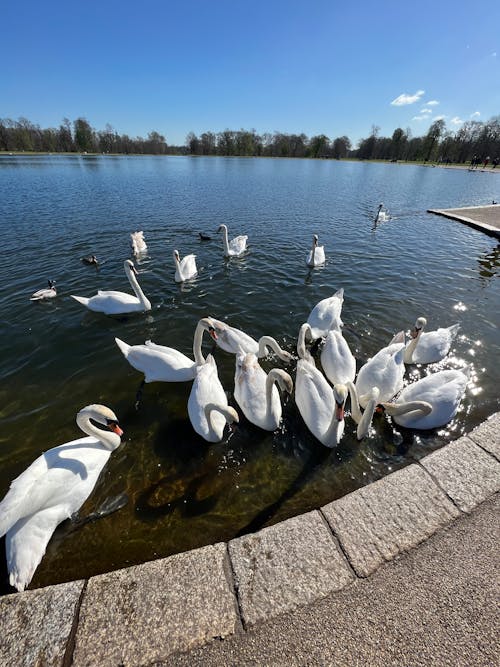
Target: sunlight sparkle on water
[460,307]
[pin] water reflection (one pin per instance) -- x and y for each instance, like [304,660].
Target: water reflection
[489,262]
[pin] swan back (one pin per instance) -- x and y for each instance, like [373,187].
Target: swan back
[185,269]
[337,359]
[326,315]
[384,370]
[207,390]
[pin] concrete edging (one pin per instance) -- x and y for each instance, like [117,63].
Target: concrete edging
[461,214]
[146,613]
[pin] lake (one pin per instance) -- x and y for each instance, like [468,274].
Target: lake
[182,492]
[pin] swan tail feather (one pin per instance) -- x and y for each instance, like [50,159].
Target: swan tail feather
[124,347]
[81,299]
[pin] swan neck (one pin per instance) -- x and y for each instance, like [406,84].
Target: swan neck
[268,341]
[395,409]
[224,410]
[410,348]
[137,288]
[366,420]
[355,409]
[197,340]
[225,239]
[301,343]
[109,439]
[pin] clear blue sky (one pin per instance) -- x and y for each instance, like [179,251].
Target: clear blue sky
[312,66]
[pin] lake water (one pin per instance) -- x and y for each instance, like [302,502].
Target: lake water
[56,357]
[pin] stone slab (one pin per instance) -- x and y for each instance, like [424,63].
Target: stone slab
[466,472]
[379,521]
[143,614]
[36,625]
[487,435]
[287,565]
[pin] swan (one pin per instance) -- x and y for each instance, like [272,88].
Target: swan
[430,402]
[52,489]
[321,407]
[234,341]
[116,303]
[316,256]
[363,420]
[48,293]
[207,404]
[326,315]
[235,247]
[382,215]
[384,370]
[204,237]
[337,360]
[256,392]
[431,346]
[138,243]
[185,269]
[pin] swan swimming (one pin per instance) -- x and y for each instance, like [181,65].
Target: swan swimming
[234,341]
[47,293]
[256,392]
[382,214]
[138,243]
[235,247]
[208,408]
[429,347]
[316,256]
[52,489]
[321,407]
[117,303]
[384,370]
[185,269]
[326,315]
[430,402]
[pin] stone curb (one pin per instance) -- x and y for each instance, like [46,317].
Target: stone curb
[460,216]
[144,614]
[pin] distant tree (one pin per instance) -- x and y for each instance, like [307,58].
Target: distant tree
[84,136]
[431,139]
[398,144]
[208,143]
[341,147]
[193,144]
[318,146]
[64,137]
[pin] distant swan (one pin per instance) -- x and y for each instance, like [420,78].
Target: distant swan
[236,246]
[384,370]
[382,214]
[138,243]
[430,402]
[185,269]
[117,303]
[207,404]
[52,489]
[431,346]
[234,340]
[326,315]
[316,256]
[256,392]
[48,293]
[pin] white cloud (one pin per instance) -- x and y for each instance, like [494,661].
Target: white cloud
[431,103]
[404,99]
[456,121]
[476,114]
[420,117]
[424,110]
[439,117]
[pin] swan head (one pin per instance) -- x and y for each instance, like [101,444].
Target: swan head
[315,239]
[101,415]
[340,393]
[419,327]
[51,284]
[129,267]
[222,228]
[176,256]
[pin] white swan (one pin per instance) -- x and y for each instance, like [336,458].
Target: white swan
[185,269]
[326,315]
[207,404]
[382,215]
[138,243]
[431,346]
[363,420]
[316,256]
[116,303]
[384,370]
[47,293]
[166,364]
[321,407]
[256,393]
[430,402]
[337,360]
[52,489]
[234,341]
[234,247]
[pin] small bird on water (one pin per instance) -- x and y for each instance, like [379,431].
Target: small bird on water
[90,259]
[48,293]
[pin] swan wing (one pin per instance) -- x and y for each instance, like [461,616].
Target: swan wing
[326,314]
[314,398]
[250,393]
[238,245]
[187,268]
[206,389]
[433,346]
[337,359]
[384,370]
[114,303]
[160,363]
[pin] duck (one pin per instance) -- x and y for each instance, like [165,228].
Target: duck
[363,419]
[185,269]
[90,259]
[430,402]
[118,303]
[52,489]
[204,237]
[235,247]
[326,315]
[208,408]
[316,256]
[235,341]
[337,360]
[382,215]
[384,370]
[47,293]
[138,243]
[320,405]
[430,346]
[256,392]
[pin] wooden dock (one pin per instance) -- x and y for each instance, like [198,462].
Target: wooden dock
[484,218]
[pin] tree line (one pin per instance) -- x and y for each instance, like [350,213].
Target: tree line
[474,139]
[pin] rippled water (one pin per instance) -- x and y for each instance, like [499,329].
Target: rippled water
[56,357]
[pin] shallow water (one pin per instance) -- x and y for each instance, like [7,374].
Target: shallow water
[182,492]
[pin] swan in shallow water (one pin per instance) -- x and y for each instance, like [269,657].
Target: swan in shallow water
[429,347]
[234,341]
[47,293]
[52,489]
[384,370]
[321,407]
[316,256]
[207,404]
[337,360]
[117,303]
[326,315]
[363,419]
[235,247]
[382,214]
[430,402]
[138,243]
[256,392]
[185,269]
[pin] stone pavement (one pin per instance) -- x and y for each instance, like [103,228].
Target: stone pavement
[484,218]
[341,585]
